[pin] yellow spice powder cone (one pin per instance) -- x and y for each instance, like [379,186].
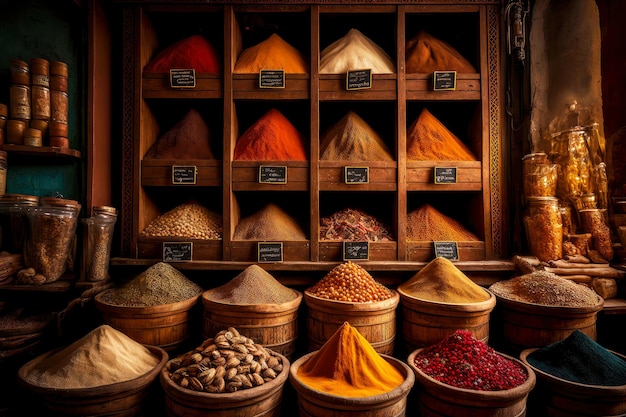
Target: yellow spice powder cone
[273,53]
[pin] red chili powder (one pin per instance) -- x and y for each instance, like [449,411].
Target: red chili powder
[194,52]
[425,54]
[271,138]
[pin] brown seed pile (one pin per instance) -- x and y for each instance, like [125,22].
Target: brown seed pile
[427,224]
[190,220]
[228,362]
[269,223]
[350,282]
[546,288]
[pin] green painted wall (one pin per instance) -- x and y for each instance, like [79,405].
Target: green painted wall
[52,30]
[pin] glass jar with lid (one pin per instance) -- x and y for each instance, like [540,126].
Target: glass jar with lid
[14,221]
[97,238]
[544,228]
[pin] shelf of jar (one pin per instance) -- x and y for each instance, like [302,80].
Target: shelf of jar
[247,87]
[421,87]
[420,176]
[334,87]
[41,151]
[246,176]
[425,251]
[158,85]
[161,172]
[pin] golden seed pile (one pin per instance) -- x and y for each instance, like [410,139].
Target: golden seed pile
[350,282]
[226,363]
[190,220]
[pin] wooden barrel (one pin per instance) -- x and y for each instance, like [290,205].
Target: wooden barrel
[436,399]
[122,399]
[375,321]
[260,401]
[528,325]
[425,322]
[314,403]
[275,326]
[562,398]
[166,325]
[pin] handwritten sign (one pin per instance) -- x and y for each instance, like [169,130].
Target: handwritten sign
[445,175]
[357,175]
[272,174]
[177,251]
[182,174]
[356,251]
[359,79]
[272,79]
[444,80]
[270,252]
[182,78]
[448,250]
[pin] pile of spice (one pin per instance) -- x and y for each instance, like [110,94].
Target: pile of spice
[19,320]
[194,52]
[103,356]
[158,285]
[354,225]
[428,224]
[349,282]
[269,223]
[462,361]
[442,281]
[355,51]
[546,288]
[348,366]
[578,358]
[429,140]
[228,362]
[425,54]
[253,285]
[271,138]
[190,138]
[352,139]
[190,220]
[273,53]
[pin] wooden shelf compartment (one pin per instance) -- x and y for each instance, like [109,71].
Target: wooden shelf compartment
[245,176]
[420,176]
[383,176]
[202,249]
[247,87]
[41,151]
[160,172]
[158,85]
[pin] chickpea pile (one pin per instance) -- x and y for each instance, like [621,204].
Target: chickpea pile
[187,220]
[351,283]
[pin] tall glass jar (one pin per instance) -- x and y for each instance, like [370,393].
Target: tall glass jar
[97,238]
[544,228]
[594,222]
[14,221]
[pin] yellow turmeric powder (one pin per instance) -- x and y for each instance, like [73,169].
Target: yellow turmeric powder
[348,366]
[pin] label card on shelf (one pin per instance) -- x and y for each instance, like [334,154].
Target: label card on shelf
[448,250]
[272,174]
[445,175]
[271,79]
[356,251]
[357,175]
[270,252]
[444,80]
[359,79]
[177,251]
[183,174]
[182,78]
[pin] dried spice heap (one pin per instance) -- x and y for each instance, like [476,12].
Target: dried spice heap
[427,224]
[425,54]
[429,140]
[271,54]
[104,356]
[546,288]
[350,282]
[271,138]
[348,366]
[194,52]
[270,223]
[442,281]
[353,225]
[352,139]
[463,361]
[352,52]
[190,220]
[253,285]
[190,138]
[158,285]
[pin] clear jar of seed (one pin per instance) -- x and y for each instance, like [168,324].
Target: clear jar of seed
[97,238]
[544,228]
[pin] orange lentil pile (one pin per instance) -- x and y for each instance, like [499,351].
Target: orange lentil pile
[427,224]
[351,283]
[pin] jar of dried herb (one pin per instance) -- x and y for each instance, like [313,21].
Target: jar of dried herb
[97,238]
[13,221]
[544,228]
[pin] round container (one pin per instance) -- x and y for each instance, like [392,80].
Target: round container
[59,105]
[314,403]
[274,326]
[582,241]
[531,160]
[425,322]
[376,321]
[540,180]
[4,115]
[437,399]
[32,137]
[166,325]
[40,102]
[261,401]
[588,201]
[41,125]
[563,398]
[594,222]
[3,177]
[566,219]
[97,239]
[20,72]
[40,72]
[20,102]
[15,132]
[59,142]
[58,129]
[58,76]
[14,221]
[544,228]
[122,399]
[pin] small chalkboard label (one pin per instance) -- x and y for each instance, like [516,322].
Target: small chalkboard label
[272,174]
[183,174]
[359,79]
[356,251]
[271,79]
[448,250]
[182,78]
[444,80]
[357,175]
[445,175]
[270,252]
[177,251]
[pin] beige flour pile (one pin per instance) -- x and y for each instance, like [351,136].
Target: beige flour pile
[353,52]
[427,224]
[425,54]
[271,54]
[352,139]
[102,357]
[269,223]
